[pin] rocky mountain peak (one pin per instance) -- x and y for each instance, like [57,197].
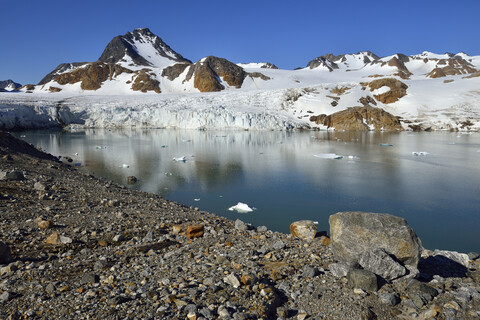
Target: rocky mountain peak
[140,47]
[9,85]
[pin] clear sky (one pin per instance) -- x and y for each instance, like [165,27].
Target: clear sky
[38,35]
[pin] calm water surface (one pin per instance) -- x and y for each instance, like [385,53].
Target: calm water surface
[277,173]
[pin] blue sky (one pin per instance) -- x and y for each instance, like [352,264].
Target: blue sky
[39,35]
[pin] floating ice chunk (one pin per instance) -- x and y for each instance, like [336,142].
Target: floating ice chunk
[328,156]
[180,159]
[386,144]
[196,199]
[241,208]
[125,166]
[420,153]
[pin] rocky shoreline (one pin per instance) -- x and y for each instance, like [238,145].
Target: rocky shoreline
[74,246]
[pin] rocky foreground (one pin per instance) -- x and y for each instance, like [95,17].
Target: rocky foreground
[73,246]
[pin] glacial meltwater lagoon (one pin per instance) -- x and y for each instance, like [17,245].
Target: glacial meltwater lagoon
[432,179]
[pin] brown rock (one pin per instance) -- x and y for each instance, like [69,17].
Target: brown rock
[207,71]
[45,224]
[325,241]
[143,82]
[195,231]
[55,239]
[92,75]
[397,90]
[54,89]
[303,229]
[360,119]
[176,229]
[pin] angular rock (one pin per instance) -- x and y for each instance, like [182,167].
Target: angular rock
[55,239]
[303,229]
[339,269]
[362,279]
[381,263]
[310,272]
[195,231]
[12,175]
[388,298]
[39,186]
[45,224]
[417,287]
[473,255]
[460,258]
[353,233]
[232,280]
[240,225]
[325,241]
[5,253]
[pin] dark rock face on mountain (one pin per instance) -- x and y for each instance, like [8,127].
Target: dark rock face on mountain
[450,67]
[173,72]
[269,65]
[399,62]
[207,72]
[9,85]
[121,45]
[331,61]
[360,119]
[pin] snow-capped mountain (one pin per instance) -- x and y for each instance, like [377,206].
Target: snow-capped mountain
[359,91]
[9,85]
[140,48]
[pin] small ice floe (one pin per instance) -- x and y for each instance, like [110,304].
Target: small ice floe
[328,156]
[125,165]
[180,159]
[420,153]
[241,208]
[196,199]
[386,144]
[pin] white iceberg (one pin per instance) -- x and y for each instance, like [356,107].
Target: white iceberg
[241,208]
[328,156]
[420,153]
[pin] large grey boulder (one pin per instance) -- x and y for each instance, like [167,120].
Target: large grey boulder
[353,233]
[381,263]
